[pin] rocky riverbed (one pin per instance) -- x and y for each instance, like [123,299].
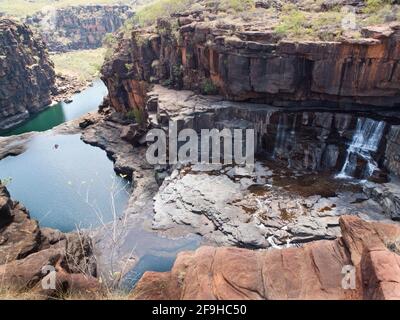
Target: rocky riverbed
[272,206]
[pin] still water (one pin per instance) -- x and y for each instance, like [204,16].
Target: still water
[86,101]
[68,186]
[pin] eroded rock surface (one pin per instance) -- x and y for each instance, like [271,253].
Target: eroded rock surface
[246,60]
[314,271]
[259,208]
[25,249]
[27,77]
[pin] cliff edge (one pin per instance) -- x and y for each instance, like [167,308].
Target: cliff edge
[27,77]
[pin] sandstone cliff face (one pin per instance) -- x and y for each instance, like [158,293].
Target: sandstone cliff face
[80,27]
[25,249]
[243,62]
[314,271]
[26,74]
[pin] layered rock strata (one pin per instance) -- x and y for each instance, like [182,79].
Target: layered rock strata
[27,76]
[291,201]
[205,53]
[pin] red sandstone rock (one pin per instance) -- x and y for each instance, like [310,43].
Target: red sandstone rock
[25,249]
[253,65]
[313,271]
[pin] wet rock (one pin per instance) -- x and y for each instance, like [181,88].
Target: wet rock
[106,134]
[314,271]
[257,214]
[134,134]
[392,154]
[86,123]
[387,195]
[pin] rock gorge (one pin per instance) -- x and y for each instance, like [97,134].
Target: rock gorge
[324,113]
[323,193]
[78,27]
[27,77]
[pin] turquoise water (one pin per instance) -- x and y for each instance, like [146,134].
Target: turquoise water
[158,254]
[86,101]
[68,186]
[65,183]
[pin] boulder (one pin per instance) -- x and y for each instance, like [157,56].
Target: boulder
[19,235]
[25,249]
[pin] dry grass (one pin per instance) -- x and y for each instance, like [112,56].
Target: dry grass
[8,294]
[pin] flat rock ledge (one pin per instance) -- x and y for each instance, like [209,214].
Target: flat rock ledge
[314,271]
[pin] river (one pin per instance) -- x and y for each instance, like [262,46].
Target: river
[86,101]
[67,184]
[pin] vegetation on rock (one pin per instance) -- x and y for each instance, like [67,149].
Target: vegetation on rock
[83,64]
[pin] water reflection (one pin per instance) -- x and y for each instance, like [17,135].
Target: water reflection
[82,103]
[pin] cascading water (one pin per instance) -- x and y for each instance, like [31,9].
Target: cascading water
[285,138]
[364,144]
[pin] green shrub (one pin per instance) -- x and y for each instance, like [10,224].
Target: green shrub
[166,83]
[373,6]
[208,87]
[177,70]
[236,5]
[136,114]
[294,22]
[5,181]
[139,115]
[379,11]
[149,14]
[129,66]
[327,25]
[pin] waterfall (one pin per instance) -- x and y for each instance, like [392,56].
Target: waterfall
[364,144]
[285,138]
